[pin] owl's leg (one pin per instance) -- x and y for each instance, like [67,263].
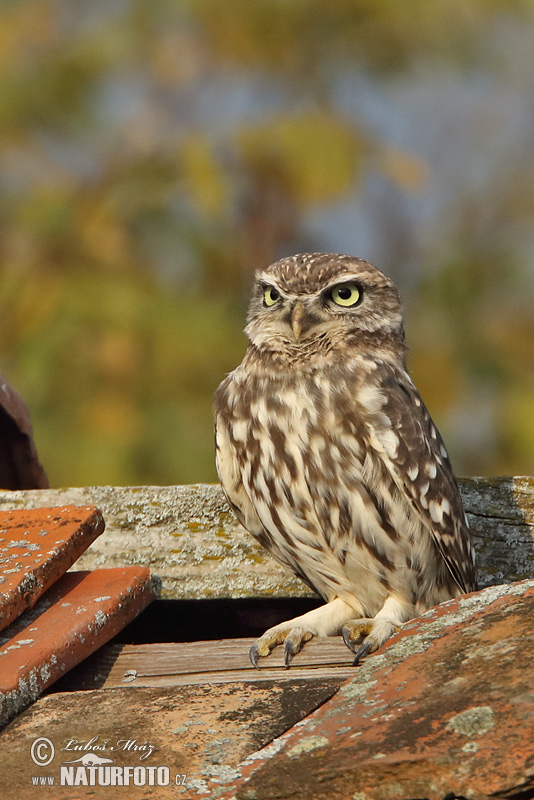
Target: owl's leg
[326,620]
[371,633]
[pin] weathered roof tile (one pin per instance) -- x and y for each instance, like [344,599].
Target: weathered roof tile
[82,611]
[36,548]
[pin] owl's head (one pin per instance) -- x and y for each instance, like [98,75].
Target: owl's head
[317,303]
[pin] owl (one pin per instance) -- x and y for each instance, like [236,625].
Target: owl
[329,458]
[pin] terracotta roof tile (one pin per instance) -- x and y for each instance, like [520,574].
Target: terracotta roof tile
[82,611]
[36,548]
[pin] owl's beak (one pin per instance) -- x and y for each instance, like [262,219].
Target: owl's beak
[297,316]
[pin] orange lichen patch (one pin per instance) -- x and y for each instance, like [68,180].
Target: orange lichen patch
[36,548]
[81,612]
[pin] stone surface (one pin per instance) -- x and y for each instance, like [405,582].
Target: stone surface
[81,612]
[196,731]
[36,548]
[192,543]
[445,710]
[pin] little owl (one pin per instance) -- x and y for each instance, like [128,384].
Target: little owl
[330,460]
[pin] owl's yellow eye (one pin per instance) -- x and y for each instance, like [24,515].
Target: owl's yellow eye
[346,294]
[270,296]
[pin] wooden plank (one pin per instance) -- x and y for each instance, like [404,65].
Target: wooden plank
[190,540]
[36,548]
[219,661]
[81,612]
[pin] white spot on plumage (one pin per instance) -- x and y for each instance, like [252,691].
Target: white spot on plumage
[436,511]
[371,398]
[413,472]
[390,442]
[240,430]
[431,470]
[262,414]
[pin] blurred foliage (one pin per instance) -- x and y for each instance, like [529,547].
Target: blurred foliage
[153,154]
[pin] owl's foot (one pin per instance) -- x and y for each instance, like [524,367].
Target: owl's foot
[364,636]
[326,620]
[294,638]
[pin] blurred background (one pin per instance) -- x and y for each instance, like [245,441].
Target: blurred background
[153,154]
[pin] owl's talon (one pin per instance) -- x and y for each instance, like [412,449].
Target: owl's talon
[294,642]
[355,631]
[364,636]
[362,651]
[254,656]
[293,637]
[289,652]
[348,641]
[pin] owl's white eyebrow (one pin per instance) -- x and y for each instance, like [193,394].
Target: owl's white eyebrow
[265,280]
[343,279]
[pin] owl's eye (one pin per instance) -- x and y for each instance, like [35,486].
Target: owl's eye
[270,296]
[346,294]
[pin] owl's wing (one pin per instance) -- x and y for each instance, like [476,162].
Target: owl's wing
[420,467]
